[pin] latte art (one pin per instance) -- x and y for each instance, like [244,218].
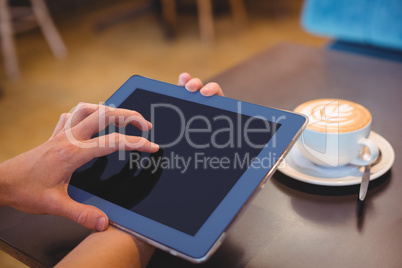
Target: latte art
[334,115]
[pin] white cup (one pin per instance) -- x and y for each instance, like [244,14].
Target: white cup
[333,144]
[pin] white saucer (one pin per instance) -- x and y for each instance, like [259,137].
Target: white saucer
[339,176]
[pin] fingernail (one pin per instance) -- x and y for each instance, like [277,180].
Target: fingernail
[154,146]
[206,91]
[190,86]
[101,224]
[180,82]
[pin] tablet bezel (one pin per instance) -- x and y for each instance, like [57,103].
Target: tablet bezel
[199,247]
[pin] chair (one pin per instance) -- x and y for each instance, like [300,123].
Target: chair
[368,27]
[205,16]
[169,16]
[37,13]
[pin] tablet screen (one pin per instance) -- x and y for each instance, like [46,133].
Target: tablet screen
[203,152]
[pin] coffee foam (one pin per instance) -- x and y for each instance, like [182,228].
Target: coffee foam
[334,115]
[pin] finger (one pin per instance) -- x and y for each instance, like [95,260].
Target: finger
[99,120]
[183,79]
[86,215]
[80,112]
[107,144]
[118,141]
[211,88]
[194,84]
[60,124]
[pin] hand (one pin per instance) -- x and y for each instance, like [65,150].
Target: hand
[118,247]
[195,84]
[36,181]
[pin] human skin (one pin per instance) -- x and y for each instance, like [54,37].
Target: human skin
[36,181]
[114,247]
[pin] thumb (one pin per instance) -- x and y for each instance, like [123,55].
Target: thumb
[86,215]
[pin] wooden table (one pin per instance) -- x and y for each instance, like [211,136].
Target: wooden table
[289,223]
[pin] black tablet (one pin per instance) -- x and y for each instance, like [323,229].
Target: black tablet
[215,153]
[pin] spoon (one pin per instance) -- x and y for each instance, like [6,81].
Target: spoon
[364,185]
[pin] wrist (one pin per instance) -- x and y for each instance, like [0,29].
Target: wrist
[144,248]
[109,248]
[11,173]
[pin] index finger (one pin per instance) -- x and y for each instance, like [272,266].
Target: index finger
[105,115]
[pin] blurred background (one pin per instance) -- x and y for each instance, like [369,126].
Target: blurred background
[108,41]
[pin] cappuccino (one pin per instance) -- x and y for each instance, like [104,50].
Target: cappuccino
[337,133]
[334,115]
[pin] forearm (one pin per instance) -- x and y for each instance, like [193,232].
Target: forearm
[5,184]
[16,189]
[110,248]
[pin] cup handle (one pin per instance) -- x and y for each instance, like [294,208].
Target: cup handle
[372,147]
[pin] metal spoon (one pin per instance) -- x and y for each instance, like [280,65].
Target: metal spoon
[364,185]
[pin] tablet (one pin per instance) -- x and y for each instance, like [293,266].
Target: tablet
[215,153]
